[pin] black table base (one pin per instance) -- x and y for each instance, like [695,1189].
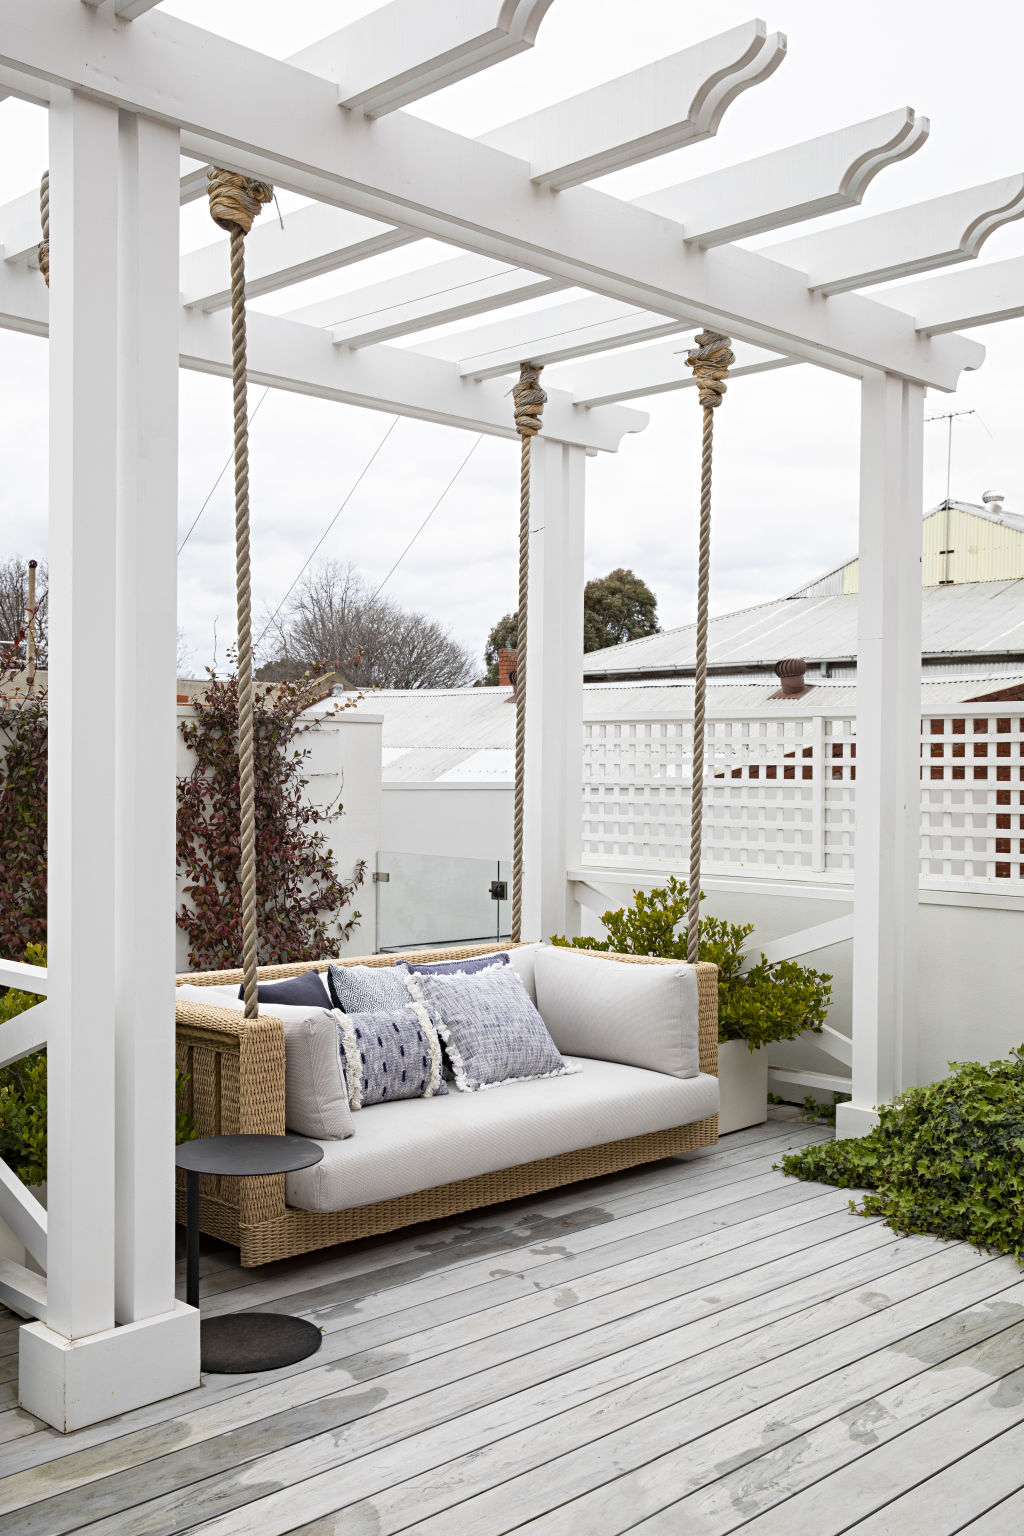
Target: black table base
[241,1342]
[255,1341]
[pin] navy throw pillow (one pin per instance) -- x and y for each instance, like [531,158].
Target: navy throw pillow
[306,991]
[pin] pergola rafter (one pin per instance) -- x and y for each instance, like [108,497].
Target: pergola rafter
[131,92]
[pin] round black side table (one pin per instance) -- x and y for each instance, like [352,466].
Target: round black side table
[244,1341]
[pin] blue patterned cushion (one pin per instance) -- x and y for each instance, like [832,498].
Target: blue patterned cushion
[390,1055]
[492,1033]
[367,988]
[454,967]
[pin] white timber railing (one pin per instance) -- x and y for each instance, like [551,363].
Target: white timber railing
[780,795]
[22,1288]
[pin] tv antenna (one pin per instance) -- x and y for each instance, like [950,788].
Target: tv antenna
[946,579]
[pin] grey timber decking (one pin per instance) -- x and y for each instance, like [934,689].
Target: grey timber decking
[699,1346]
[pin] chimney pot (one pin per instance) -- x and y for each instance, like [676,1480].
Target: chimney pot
[507,669]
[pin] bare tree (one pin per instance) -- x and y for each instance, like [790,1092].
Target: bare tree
[14,604]
[334,617]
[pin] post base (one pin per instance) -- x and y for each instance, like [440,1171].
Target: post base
[70,1383]
[854,1120]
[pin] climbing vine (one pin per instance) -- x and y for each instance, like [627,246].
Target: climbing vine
[300,895]
[22,809]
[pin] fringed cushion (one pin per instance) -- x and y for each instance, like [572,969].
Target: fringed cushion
[390,1055]
[491,1031]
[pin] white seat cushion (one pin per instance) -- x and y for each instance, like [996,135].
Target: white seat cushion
[416,1143]
[641,1015]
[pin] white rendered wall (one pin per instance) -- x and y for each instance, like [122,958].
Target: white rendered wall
[466,821]
[345,759]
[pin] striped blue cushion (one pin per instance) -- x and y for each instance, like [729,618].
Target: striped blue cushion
[491,1031]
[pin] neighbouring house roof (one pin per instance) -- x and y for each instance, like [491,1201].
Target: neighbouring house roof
[467,735]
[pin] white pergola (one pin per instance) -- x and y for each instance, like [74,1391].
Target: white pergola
[130,92]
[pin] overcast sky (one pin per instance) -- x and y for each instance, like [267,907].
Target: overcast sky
[786,442]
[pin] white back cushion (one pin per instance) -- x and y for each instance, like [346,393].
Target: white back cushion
[315,1096]
[521,960]
[640,1015]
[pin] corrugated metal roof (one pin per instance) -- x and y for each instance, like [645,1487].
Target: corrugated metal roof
[436,737]
[980,616]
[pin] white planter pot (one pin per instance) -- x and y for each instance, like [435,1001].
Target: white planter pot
[743,1085]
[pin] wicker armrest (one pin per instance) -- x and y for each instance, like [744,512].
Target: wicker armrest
[234,1084]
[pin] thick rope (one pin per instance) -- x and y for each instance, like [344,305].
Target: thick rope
[529,400]
[43,248]
[710,360]
[235,201]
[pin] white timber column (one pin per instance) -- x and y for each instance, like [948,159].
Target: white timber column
[78,1367]
[888,748]
[145,689]
[554,689]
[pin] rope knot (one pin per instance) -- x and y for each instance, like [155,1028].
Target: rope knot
[710,360]
[235,200]
[43,248]
[529,399]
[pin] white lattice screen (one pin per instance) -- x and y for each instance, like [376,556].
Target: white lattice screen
[780,795]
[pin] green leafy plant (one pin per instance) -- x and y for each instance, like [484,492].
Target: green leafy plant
[299,892]
[769,1001]
[946,1159]
[22,808]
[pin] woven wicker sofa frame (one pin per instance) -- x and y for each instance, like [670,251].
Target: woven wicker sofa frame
[234,1072]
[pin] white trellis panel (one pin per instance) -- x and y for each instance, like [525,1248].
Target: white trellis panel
[780,795]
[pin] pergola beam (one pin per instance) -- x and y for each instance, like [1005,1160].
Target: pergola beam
[406,50]
[803,181]
[578,328]
[128,10]
[915,239]
[647,112]
[789,185]
[650,371]
[416,301]
[971,296]
[302,359]
[677,100]
[256,114]
[310,241]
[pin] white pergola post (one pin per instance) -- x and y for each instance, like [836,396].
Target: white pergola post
[145,674]
[82,765]
[554,697]
[888,748]
[113,430]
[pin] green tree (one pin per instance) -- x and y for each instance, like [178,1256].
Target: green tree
[616,607]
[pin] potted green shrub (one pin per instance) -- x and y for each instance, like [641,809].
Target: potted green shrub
[766,1002]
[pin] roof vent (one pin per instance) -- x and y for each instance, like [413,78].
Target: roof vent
[988,497]
[791,675]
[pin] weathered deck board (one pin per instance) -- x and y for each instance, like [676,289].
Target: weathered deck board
[701,1345]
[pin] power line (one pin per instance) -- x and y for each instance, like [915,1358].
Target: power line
[429,515]
[351,492]
[227,465]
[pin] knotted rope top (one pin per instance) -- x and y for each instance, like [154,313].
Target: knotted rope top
[43,248]
[529,400]
[235,200]
[710,360]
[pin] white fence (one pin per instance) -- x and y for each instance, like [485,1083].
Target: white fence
[780,794]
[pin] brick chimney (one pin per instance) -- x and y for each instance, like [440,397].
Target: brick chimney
[507,669]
